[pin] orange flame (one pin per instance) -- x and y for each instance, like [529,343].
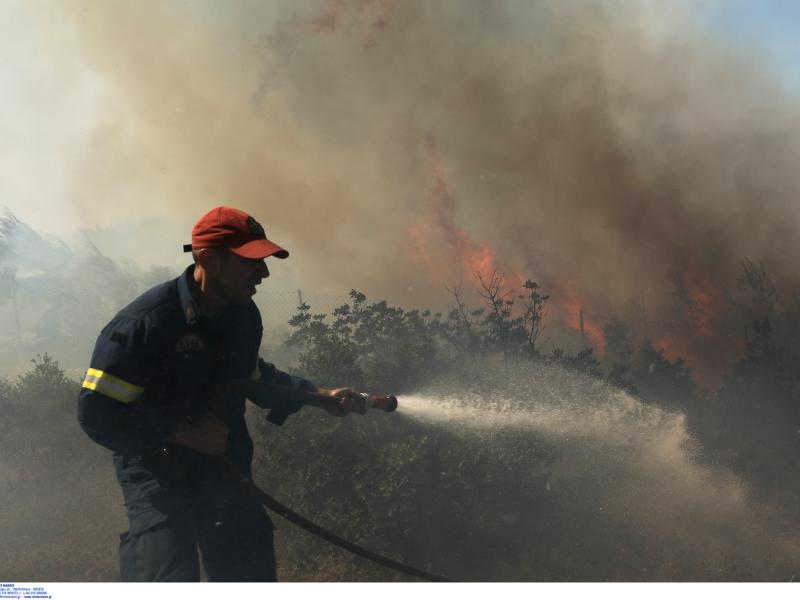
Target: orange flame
[477,257]
[465,252]
[569,309]
[698,340]
[695,338]
[704,302]
[359,17]
[674,347]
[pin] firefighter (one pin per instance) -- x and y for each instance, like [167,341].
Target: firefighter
[165,392]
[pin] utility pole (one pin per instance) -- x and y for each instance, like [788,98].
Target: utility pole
[583,334]
[299,298]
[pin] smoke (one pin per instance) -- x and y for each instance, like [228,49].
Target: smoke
[55,296]
[606,148]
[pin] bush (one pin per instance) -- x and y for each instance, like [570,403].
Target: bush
[61,504]
[367,346]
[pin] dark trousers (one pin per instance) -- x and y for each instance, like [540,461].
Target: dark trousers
[231,530]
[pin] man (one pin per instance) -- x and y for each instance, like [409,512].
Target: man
[166,392]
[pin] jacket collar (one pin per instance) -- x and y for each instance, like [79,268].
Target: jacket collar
[189,306]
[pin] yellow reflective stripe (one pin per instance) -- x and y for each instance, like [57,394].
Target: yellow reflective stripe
[111,386]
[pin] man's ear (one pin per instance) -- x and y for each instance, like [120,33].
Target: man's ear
[206,257]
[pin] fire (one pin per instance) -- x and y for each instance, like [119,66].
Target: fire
[708,358]
[479,258]
[419,236]
[569,310]
[698,336]
[437,225]
[353,17]
[704,302]
[674,347]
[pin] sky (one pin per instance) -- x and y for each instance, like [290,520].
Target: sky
[763,26]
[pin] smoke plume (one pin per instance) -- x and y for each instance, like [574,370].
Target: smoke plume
[613,152]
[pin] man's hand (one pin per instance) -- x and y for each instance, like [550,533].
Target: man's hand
[208,436]
[346,401]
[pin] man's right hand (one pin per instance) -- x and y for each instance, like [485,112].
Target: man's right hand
[338,401]
[208,436]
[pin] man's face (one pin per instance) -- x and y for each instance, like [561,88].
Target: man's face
[235,278]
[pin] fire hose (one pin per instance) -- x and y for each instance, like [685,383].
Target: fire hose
[386,403]
[334,539]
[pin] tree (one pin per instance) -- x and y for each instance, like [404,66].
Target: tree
[498,320]
[754,279]
[327,354]
[534,304]
[368,346]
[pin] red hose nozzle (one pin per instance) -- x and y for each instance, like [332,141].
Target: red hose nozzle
[386,403]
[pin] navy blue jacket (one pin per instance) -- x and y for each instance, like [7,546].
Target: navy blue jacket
[158,361]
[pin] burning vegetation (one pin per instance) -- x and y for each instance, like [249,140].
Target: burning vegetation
[698,328]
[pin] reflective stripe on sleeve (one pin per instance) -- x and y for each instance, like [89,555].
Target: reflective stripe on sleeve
[111,386]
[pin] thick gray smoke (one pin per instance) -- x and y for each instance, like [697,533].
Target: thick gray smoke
[613,151]
[613,142]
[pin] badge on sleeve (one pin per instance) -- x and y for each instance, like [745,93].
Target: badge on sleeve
[190,342]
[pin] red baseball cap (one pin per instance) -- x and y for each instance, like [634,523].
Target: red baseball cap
[224,227]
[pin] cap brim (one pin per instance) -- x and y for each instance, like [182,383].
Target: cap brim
[260,249]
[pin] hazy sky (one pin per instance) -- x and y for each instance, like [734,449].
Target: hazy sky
[55,104]
[764,26]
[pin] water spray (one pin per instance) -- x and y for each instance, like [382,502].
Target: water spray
[385,403]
